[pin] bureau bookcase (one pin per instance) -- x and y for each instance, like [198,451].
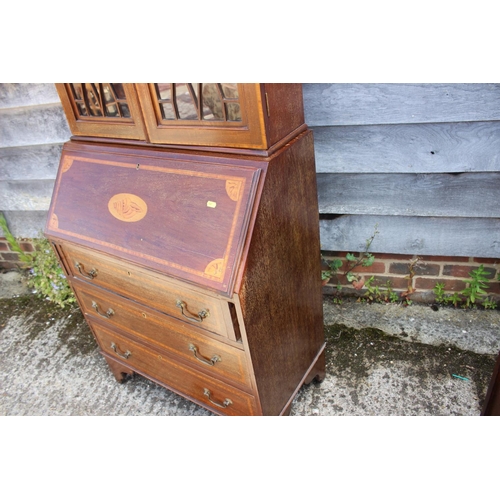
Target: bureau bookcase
[185,217]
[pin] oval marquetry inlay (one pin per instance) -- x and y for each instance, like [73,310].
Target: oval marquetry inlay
[127,207]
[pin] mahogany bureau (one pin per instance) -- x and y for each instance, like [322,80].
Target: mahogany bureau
[185,217]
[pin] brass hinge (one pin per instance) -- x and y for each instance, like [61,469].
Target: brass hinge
[267,105]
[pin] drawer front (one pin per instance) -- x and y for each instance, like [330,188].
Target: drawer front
[214,394]
[188,342]
[131,281]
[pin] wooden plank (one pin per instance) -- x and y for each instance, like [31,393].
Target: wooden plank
[439,195]
[26,195]
[371,104]
[13,95]
[33,125]
[30,162]
[25,224]
[418,148]
[462,237]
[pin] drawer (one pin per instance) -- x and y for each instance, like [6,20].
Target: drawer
[169,296]
[186,341]
[209,392]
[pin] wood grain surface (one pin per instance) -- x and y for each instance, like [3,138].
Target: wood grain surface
[417,148]
[387,103]
[34,162]
[26,126]
[429,195]
[450,236]
[183,233]
[280,296]
[13,95]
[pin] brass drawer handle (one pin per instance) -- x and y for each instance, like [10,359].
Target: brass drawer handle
[125,355]
[225,404]
[108,314]
[90,275]
[210,362]
[199,318]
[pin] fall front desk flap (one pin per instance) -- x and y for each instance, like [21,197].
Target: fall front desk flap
[187,219]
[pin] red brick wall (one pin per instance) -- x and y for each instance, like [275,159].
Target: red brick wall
[395,268]
[10,259]
[428,271]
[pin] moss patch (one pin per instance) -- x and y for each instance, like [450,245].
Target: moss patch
[352,353]
[39,314]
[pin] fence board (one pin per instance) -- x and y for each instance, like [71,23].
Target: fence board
[24,224]
[13,95]
[462,237]
[438,195]
[420,148]
[30,162]
[371,104]
[33,125]
[26,195]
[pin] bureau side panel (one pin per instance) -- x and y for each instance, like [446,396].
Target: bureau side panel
[280,296]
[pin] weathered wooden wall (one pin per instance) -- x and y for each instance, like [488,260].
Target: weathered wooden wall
[420,161]
[32,130]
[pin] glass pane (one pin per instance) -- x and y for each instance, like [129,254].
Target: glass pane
[108,95]
[233,112]
[212,102]
[181,101]
[163,90]
[93,100]
[124,110]
[167,111]
[112,110]
[77,93]
[109,101]
[185,103]
[118,89]
[81,109]
[230,90]
[195,88]
[98,99]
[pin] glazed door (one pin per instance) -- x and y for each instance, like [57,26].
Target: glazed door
[204,114]
[102,110]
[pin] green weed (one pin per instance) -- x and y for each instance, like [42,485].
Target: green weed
[43,272]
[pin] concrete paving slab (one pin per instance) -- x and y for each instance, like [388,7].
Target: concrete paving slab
[469,329]
[50,364]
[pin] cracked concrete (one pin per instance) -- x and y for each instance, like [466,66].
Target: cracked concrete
[381,360]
